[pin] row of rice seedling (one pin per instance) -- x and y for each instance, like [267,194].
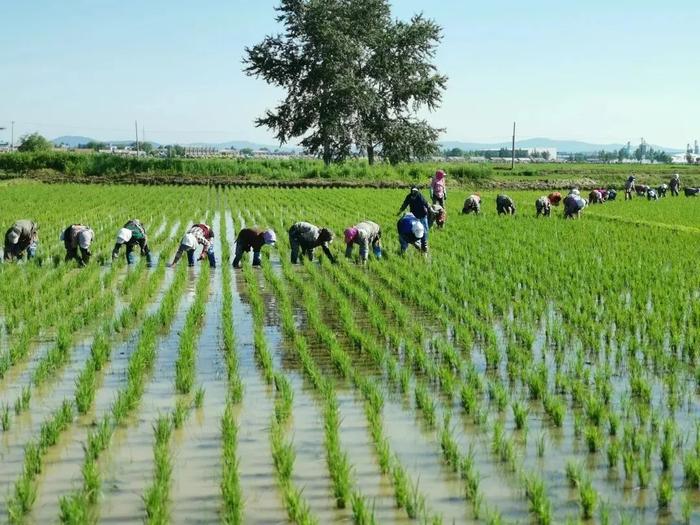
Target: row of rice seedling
[81,504]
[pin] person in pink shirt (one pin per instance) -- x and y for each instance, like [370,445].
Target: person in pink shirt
[438,188]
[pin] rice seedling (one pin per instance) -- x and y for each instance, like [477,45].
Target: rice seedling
[520,413]
[588,498]
[664,493]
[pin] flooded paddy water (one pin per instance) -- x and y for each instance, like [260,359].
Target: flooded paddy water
[477,385]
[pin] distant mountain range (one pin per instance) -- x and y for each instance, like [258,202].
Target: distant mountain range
[567,146]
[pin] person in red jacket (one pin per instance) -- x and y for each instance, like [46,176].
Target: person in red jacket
[252,239]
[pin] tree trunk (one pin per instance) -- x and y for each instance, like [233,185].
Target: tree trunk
[370,154]
[327,154]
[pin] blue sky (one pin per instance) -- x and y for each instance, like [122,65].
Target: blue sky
[596,71]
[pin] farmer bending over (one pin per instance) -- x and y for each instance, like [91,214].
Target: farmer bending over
[505,205]
[472,204]
[132,234]
[573,204]
[21,236]
[253,239]
[201,234]
[364,234]
[304,237]
[411,232]
[77,239]
[543,206]
[436,216]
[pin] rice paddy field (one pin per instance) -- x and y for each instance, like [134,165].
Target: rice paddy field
[526,371]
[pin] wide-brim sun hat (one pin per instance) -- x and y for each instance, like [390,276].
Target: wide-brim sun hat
[124,235]
[84,239]
[418,230]
[269,237]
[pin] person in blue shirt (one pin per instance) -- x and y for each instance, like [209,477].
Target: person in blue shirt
[412,232]
[418,206]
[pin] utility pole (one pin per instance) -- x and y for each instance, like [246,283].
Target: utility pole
[136,127]
[512,157]
[12,140]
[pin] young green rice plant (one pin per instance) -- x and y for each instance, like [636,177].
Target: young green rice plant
[613,453]
[588,498]
[338,464]
[536,494]
[425,403]
[664,493]
[574,473]
[5,418]
[498,393]
[541,445]
[555,409]
[361,513]
[284,397]
[643,473]
[199,397]
[520,413]
[449,447]
[594,439]
[230,480]
[686,509]
[157,495]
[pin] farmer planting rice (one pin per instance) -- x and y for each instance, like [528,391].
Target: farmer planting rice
[436,216]
[418,206]
[438,188]
[472,204]
[652,195]
[675,184]
[364,234]
[573,205]
[629,187]
[132,234]
[543,206]
[505,205]
[22,236]
[304,237]
[411,232]
[77,239]
[595,197]
[691,192]
[253,239]
[554,198]
[198,234]
[612,194]
[662,189]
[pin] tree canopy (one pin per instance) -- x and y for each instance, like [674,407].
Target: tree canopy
[355,79]
[34,142]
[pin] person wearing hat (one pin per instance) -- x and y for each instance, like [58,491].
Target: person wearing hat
[132,234]
[411,232]
[364,234]
[543,206]
[652,195]
[629,187]
[662,189]
[554,198]
[22,236]
[304,237]
[418,206]
[77,239]
[472,204]
[505,205]
[198,234]
[438,188]
[595,197]
[437,215]
[675,184]
[573,204]
[252,239]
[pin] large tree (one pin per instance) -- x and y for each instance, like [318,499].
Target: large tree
[34,142]
[354,77]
